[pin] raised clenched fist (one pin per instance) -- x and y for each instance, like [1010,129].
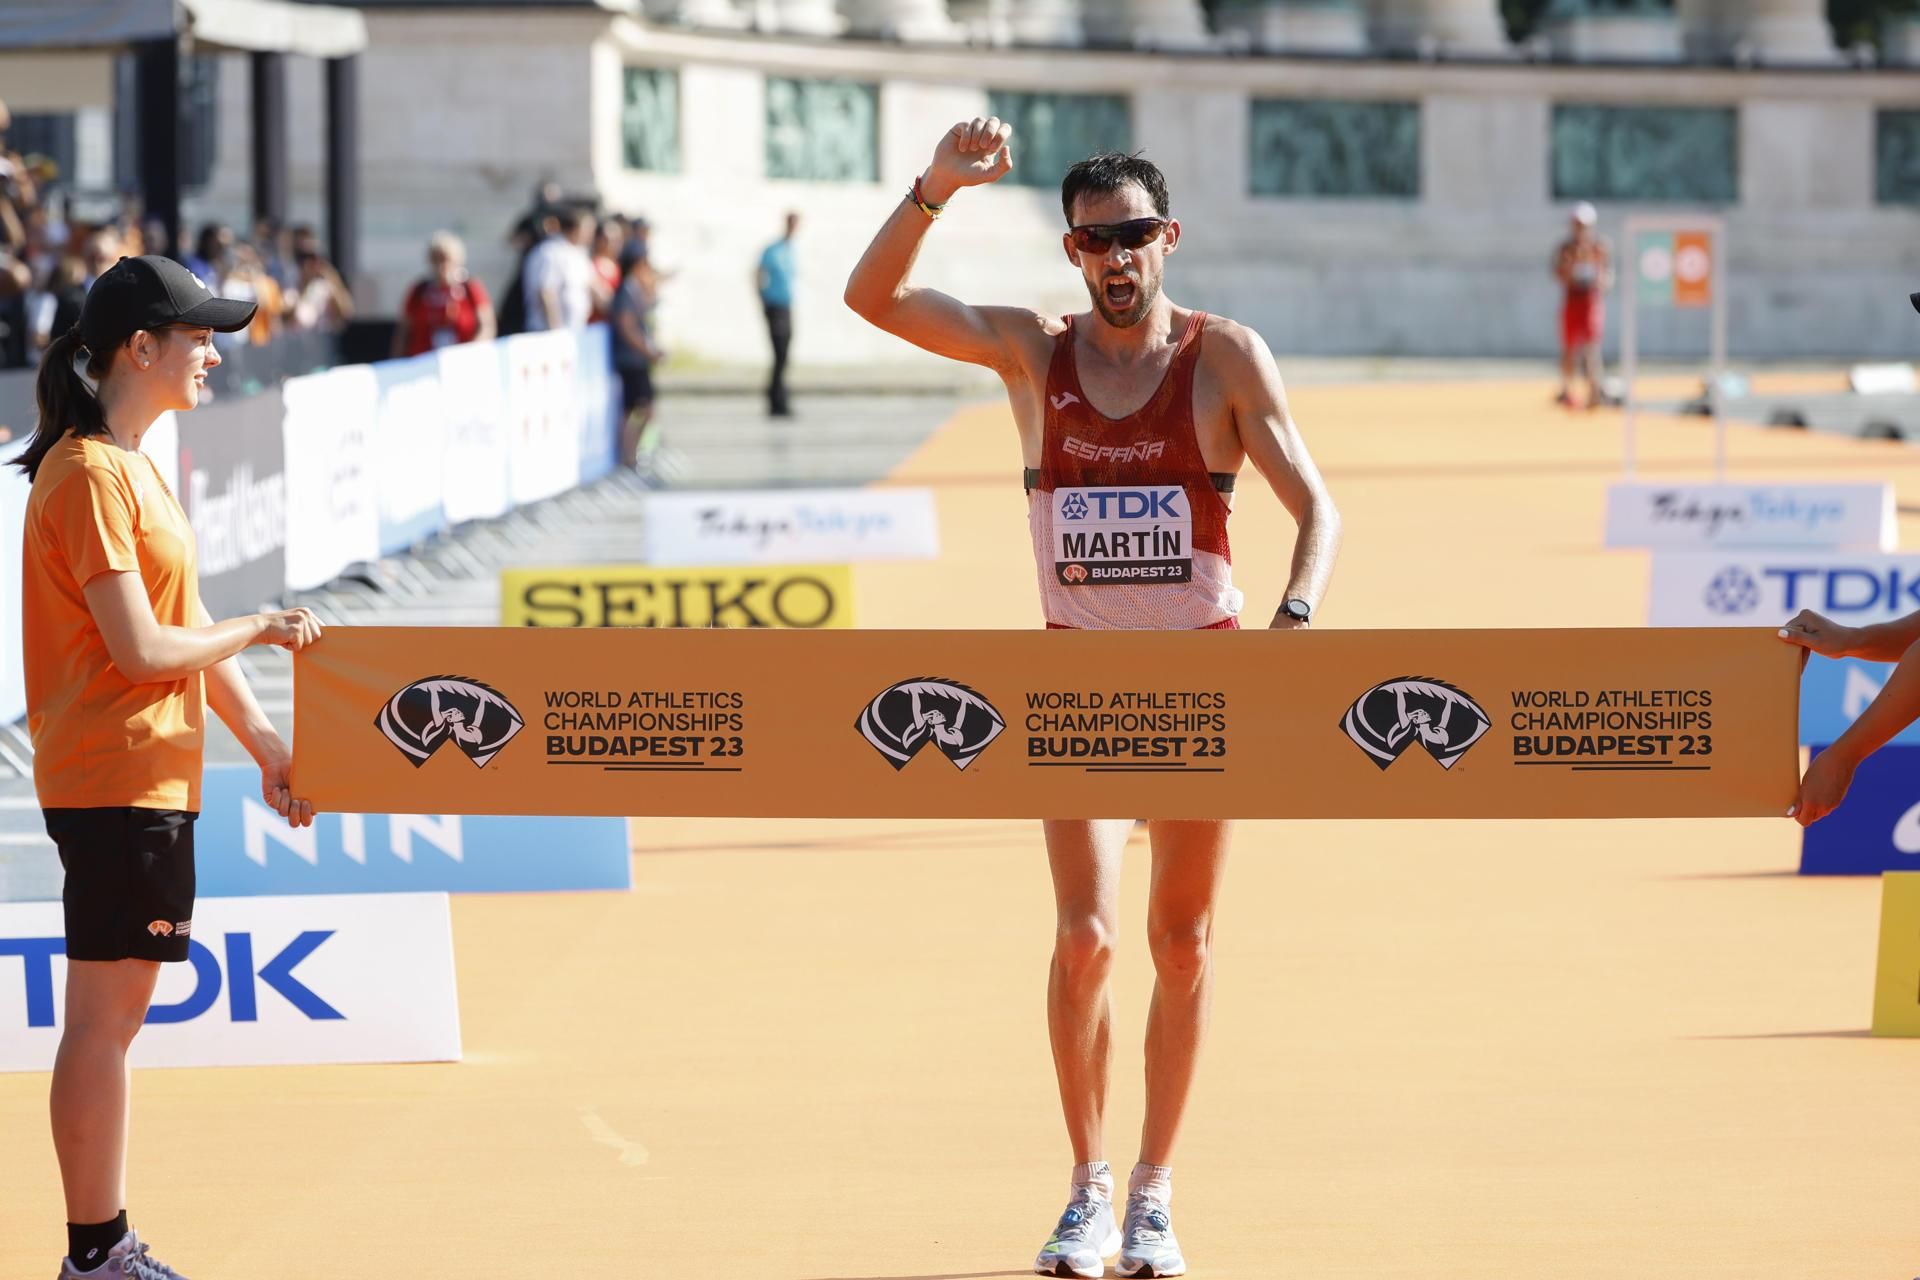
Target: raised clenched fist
[971,154]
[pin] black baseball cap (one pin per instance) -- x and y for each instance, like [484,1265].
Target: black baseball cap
[148,293]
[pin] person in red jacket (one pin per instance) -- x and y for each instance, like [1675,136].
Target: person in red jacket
[448,306]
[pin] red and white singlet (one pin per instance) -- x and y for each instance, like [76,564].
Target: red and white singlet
[1129,527]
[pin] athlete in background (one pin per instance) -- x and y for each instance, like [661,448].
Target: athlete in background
[1583,264]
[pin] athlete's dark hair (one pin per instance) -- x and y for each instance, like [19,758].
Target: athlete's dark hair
[1106,173]
[64,401]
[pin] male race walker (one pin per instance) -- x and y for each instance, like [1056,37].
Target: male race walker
[1141,394]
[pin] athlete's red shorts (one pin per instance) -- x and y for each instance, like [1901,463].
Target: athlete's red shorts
[1225,624]
[1582,322]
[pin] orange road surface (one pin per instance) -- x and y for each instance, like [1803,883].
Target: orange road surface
[813,1050]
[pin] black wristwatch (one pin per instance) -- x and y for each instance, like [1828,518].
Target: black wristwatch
[1298,610]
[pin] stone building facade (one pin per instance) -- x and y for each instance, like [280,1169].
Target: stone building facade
[1353,176]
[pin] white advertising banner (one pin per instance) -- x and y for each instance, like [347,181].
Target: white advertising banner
[270,981]
[800,526]
[14,489]
[333,499]
[473,404]
[543,415]
[1693,589]
[1700,517]
[410,446]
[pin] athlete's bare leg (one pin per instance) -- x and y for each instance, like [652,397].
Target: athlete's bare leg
[1189,861]
[92,1086]
[1085,858]
[1596,395]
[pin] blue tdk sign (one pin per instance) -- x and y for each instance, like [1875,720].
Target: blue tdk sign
[241,980]
[1877,827]
[1833,693]
[244,849]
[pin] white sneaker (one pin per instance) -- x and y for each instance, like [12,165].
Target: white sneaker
[128,1260]
[1149,1248]
[1082,1241]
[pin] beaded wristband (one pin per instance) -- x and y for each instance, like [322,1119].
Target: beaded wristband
[915,195]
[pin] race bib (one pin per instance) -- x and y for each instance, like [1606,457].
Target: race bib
[1122,534]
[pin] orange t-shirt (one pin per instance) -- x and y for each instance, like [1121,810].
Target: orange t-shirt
[99,739]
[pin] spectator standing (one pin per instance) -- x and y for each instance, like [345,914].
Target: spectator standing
[76,276]
[321,302]
[247,279]
[776,299]
[609,246]
[560,283]
[635,351]
[209,256]
[445,307]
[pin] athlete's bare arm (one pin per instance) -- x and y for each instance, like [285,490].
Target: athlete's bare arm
[971,154]
[1258,404]
[1563,262]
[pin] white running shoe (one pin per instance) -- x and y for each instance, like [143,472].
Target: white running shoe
[1149,1248]
[1082,1241]
[128,1260]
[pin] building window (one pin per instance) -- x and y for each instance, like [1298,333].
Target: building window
[1054,131]
[50,134]
[823,130]
[1683,155]
[199,109]
[650,120]
[1307,148]
[1896,147]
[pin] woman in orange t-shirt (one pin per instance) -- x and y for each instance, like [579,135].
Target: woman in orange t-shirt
[122,661]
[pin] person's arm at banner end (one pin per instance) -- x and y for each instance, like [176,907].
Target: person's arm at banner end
[1880,642]
[1831,773]
[231,698]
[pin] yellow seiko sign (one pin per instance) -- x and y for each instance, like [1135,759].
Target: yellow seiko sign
[803,597]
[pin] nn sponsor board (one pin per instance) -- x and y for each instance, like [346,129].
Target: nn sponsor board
[244,849]
[1690,589]
[613,595]
[1698,517]
[1833,693]
[268,981]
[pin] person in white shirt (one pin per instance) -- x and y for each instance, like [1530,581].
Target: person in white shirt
[561,285]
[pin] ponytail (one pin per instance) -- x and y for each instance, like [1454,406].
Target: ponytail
[64,399]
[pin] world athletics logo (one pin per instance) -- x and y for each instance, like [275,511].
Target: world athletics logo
[429,713]
[1391,717]
[905,717]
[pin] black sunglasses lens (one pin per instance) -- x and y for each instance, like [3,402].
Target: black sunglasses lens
[1130,235]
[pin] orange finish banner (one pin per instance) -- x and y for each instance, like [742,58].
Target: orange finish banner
[1663,722]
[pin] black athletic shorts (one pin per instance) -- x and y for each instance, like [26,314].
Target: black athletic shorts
[636,386]
[129,888]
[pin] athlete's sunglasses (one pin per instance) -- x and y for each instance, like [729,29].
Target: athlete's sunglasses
[1100,237]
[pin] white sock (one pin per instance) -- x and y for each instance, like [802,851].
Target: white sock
[1095,1174]
[1154,1180]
